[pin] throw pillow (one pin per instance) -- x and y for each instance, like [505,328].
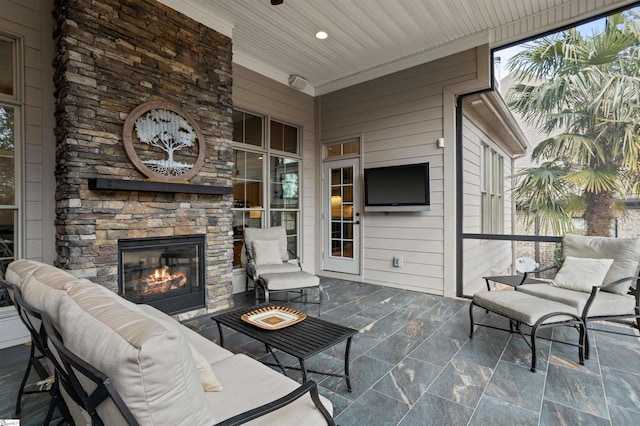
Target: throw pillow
[582,273]
[625,253]
[209,381]
[266,252]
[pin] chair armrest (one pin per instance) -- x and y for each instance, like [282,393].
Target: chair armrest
[248,254]
[535,272]
[620,281]
[309,386]
[597,288]
[546,268]
[292,255]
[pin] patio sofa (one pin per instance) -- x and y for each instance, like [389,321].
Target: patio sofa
[165,372]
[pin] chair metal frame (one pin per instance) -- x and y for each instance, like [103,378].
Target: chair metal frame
[310,387]
[32,320]
[618,319]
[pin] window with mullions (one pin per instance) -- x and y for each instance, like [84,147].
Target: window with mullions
[343,149]
[492,191]
[255,161]
[248,128]
[283,137]
[284,176]
[10,124]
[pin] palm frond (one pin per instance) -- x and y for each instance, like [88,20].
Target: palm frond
[594,179]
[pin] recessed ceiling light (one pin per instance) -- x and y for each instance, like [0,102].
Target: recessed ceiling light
[321,35]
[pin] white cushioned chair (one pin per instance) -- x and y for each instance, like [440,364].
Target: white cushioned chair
[598,277]
[271,256]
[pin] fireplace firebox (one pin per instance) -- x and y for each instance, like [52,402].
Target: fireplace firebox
[165,272]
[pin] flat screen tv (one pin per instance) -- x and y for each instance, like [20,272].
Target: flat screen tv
[402,188]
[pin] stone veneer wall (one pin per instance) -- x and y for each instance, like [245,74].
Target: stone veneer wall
[113,55]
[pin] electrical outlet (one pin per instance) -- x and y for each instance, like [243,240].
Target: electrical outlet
[397,261]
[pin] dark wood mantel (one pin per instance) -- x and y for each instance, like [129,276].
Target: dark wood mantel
[152,186]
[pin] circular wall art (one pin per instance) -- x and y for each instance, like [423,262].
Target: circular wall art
[163,142]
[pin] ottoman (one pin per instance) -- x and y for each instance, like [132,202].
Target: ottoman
[298,282]
[537,313]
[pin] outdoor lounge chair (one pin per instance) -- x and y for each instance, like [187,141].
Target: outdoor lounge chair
[269,267]
[271,256]
[598,277]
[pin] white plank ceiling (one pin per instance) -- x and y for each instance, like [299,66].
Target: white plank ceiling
[369,38]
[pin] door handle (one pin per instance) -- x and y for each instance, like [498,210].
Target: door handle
[357,222]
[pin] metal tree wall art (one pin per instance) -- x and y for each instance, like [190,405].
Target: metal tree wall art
[163,142]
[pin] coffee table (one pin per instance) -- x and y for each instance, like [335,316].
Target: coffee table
[301,340]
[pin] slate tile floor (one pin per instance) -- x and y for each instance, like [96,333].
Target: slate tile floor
[413,364]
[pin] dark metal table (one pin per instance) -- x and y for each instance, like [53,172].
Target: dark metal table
[301,340]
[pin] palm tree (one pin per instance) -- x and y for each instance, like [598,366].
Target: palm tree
[586,90]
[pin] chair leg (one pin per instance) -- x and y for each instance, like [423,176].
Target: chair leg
[534,356]
[471,320]
[52,406]
[586,340]
[582,329]
[24,379]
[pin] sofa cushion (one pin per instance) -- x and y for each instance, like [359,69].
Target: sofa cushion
[272,269]
[523,307]
[209,381]
[211,351]
[43,289]
[150,364]
[19,269]
[625,253]
[605,303]
[582,273]
[277,233]
[266,252]
[249,384]
[289,280]
[202,363]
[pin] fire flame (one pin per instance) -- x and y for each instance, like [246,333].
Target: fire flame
[162,280]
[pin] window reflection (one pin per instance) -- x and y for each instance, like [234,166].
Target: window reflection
[284,176]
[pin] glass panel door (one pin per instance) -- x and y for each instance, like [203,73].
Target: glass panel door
[342,216]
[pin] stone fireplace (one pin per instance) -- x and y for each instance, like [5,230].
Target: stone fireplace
[113,56]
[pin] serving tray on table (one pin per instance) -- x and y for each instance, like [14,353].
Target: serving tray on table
[273,317]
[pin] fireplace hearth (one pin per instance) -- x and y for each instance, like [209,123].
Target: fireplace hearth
[165,272]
